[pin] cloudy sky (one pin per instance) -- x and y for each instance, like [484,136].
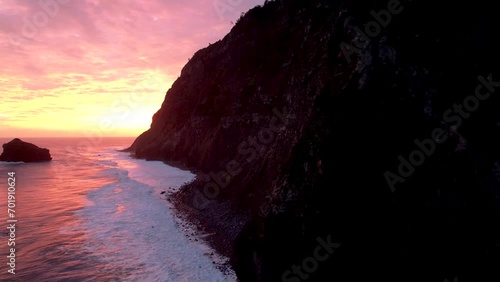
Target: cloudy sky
[87,67]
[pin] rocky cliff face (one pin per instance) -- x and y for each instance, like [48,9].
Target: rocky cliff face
[343,141]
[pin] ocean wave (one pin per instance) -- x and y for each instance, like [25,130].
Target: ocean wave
[11,163]
[135,230]
[117,173]
[107,163]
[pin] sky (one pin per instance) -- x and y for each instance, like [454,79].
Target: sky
[76,68]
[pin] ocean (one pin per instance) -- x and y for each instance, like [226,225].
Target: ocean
[96,214]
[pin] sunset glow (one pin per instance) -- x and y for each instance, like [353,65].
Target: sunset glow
[74,68]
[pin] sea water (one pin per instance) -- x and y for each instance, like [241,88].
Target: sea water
[96,214]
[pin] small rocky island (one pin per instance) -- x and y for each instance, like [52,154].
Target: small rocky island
[20,151]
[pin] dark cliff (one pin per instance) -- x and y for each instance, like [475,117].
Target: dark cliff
[20,151]
[305,131]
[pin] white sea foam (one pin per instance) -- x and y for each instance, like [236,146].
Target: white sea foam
[11,163]
[135,231]
[107,162]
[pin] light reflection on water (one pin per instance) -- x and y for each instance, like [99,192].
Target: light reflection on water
[49,244]
[98,216]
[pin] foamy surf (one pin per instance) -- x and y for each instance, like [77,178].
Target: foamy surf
[11,163]
[134,230]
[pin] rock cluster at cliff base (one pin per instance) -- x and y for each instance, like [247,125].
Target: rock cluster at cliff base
[20,151]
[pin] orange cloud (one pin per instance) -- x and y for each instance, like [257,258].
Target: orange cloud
[74,67]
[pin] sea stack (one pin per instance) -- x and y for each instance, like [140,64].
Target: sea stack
[20,151]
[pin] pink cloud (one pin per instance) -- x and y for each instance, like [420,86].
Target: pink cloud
[116,32]
[85,45]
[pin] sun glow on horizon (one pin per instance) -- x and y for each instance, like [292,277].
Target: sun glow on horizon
[115,106]
[103,67]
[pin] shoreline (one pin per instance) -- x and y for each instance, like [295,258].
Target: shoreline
[198,231]
[220,219]
[198,226]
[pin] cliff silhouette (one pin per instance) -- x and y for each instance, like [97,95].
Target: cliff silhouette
[370,126]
